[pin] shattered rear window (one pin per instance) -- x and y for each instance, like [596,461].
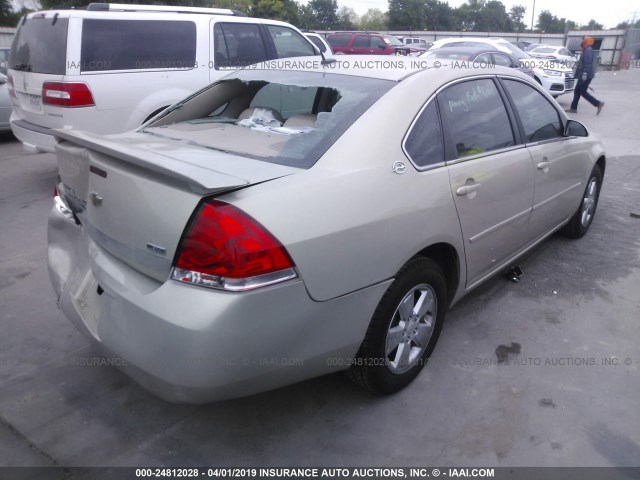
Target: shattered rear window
[289,118]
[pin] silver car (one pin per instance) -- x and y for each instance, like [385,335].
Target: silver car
[277,226]
[5,104]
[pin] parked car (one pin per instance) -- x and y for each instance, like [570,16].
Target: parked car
[359,43]
[319,41]
[111,67]
[369,43]
[4,59]
[553,76]
[405,49]
[5,104]
[526,46]
[561,54]
[203,250]
[480,55]
[416,41]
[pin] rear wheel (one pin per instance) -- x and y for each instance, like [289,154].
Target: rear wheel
[581,221]
[404,329]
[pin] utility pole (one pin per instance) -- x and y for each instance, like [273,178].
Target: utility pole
[533,13]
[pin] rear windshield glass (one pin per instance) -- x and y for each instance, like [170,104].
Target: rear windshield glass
[40,46]
[290,118]
[137,45]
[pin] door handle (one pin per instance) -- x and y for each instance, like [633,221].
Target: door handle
[467,189]
[544,166]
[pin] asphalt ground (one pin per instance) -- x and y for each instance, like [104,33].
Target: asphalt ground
[565,394]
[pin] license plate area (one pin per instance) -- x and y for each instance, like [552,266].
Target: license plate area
[31,103]
[88,302]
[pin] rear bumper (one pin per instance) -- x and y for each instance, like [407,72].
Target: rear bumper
[34,137]
[196,345]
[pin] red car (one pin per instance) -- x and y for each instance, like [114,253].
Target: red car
[360,43]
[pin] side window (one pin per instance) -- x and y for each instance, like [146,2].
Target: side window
[424,143]
[286,100]
[476,117]
[502,60]
[539,118]
[238,45]
[361,41]
[137,44]
[338,40]
[289,43]
[316,41]
[484,58]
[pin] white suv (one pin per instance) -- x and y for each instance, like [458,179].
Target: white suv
[109,68]
[553,76]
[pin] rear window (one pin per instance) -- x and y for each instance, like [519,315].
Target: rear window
[289,118]
[40,46]
[137,45]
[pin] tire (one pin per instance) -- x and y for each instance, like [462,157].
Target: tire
[581,220]
[411,338]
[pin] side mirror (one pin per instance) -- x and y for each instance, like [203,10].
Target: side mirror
[575,129]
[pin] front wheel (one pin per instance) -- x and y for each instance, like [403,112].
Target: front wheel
[404,329]
[581,220]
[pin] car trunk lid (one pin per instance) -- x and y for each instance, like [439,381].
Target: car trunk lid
[134,193]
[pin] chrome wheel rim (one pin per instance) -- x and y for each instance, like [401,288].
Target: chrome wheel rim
[410,328]
[589,202]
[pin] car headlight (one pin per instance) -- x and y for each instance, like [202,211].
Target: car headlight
[553,73]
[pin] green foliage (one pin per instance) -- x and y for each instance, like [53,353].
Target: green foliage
[347,19]
[407,15]
[516,14]
[592,25]
[324,14]
[374,19]
[440,16]
[548,23]
[8,16]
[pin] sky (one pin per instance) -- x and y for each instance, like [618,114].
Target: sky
[609,13]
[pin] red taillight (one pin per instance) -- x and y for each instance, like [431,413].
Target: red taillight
[226,248]
[10,87]
[64,94]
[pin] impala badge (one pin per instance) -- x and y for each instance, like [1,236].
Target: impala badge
[156,249]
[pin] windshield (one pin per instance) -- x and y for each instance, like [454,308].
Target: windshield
[284,117]
[393,41]
[40,45]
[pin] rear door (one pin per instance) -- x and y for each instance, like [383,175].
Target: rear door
[361,45]
[558,166]
[38,55]
[490,174]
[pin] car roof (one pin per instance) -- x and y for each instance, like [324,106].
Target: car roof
[151,12]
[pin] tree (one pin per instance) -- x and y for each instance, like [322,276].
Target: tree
[407,14]
[592,25]
[347,18]
[374,19]
[495,17]
[440,16]
[549,23]
[8,16]
[324,13]
[483,16]
[285,10]
[516,14]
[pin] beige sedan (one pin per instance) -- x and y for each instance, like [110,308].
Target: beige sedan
[294,220]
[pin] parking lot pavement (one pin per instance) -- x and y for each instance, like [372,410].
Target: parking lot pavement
[565,393]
